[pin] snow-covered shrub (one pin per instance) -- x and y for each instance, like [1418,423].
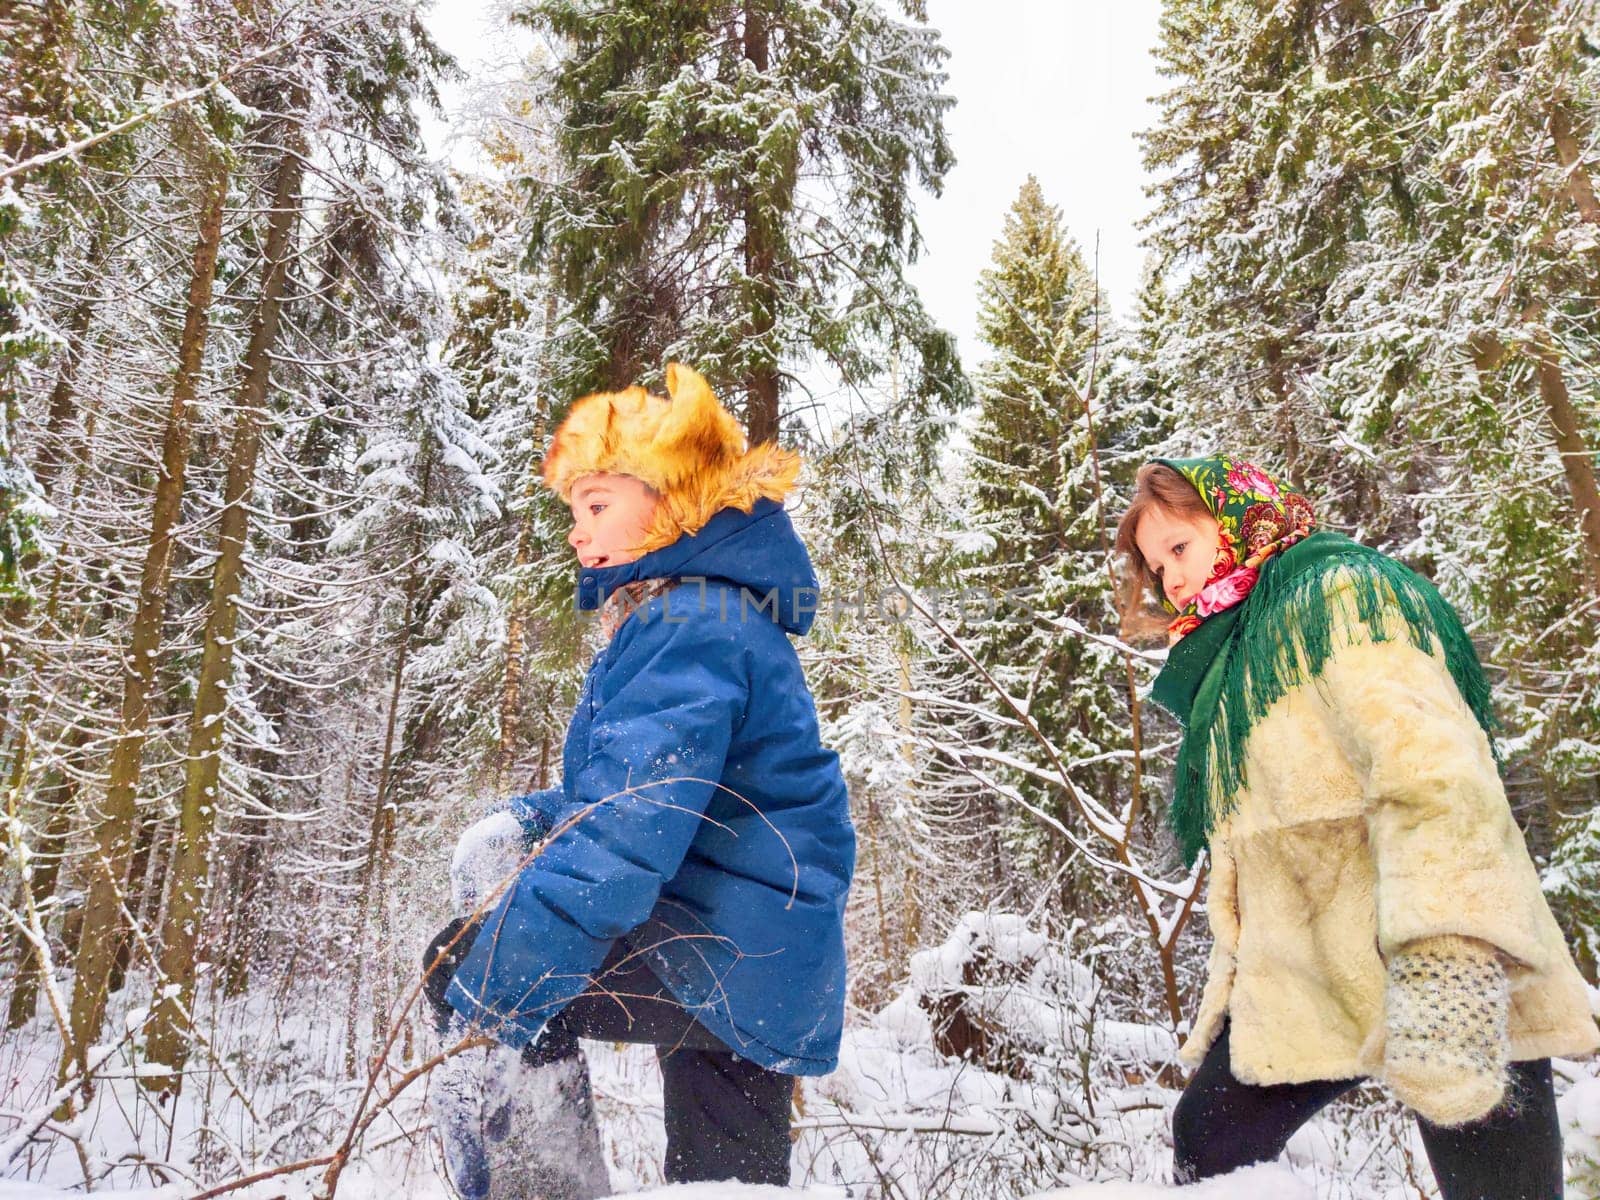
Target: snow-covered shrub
[992,1073]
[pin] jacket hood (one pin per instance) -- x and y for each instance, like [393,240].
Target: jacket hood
[757,551]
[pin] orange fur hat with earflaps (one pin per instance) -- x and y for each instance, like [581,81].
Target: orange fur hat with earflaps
[684,445]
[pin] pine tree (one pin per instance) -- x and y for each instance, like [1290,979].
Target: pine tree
[733,188]
[1037,491]
[513,678]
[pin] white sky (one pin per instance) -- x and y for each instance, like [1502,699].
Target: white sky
[1052,88]
[1056,88]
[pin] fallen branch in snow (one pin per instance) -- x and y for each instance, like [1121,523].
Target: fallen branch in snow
[343,1153]
[902,1123]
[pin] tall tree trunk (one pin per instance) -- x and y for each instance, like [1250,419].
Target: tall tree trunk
[240,934]
[197,815]
[1577,461]
[60,783]
[1489,352]
[1569,150]
[541,773]
[379,839]
[1577,458]
[761,384]
[240,926]
[1278,388]
[136,892]
[64,395]
[516,637]
[104,936]
[147,886]
[911,897]
[57,796]
[517,616]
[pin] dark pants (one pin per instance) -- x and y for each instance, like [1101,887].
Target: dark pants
[726,1117]
[1512,1154]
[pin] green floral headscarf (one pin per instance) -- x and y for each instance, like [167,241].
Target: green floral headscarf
[1256,642]
[1257,518]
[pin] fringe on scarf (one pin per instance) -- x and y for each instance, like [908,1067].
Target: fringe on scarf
[1285,638]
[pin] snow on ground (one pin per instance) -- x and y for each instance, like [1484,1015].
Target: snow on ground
[1256,1183]
[1062,1100]
[740,1191]
[1253,1183]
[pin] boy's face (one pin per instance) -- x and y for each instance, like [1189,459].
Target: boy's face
[610,516]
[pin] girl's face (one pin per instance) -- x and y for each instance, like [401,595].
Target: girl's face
[611,515]
[1180,549]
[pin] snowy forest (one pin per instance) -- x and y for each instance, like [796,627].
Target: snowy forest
[284,609]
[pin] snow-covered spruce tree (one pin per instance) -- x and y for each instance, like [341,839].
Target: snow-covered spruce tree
[424,486]
[517,679]
[1469,304]
[1512,251]
[1255,212]
[733,188]
[928,833]
[1338,197]
[1036,491]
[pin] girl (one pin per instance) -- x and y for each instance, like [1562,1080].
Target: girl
[1375,912]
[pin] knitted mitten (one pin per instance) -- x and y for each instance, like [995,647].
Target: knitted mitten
[1447,1048]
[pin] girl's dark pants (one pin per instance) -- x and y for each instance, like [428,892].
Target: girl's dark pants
[1512,1154]
[726,1117]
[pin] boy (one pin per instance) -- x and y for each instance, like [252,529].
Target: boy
[692,888]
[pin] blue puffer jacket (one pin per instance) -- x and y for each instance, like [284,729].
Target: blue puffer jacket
[709,827]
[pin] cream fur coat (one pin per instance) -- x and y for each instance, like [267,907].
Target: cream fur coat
[1372,815]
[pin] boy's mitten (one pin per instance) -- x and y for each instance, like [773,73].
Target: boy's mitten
[487,854]
[1447,1049]
[440,960]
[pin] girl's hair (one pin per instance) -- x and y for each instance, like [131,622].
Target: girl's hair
[1156,486]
